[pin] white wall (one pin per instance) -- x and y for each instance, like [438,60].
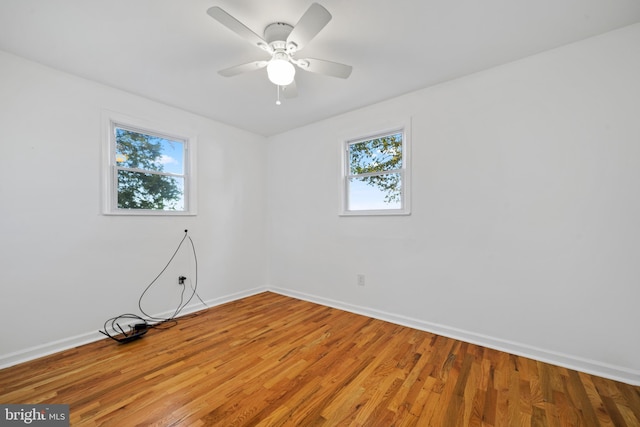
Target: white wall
[64,267]
[524,233]
[525,230]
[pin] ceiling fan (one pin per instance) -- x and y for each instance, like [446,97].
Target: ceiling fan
[282,41]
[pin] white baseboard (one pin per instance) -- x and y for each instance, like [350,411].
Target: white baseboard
[594,367]
[52,347]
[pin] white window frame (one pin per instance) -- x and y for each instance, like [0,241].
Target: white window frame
[403,127]
[110,121]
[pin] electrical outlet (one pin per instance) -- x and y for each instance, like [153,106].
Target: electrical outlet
[360,279]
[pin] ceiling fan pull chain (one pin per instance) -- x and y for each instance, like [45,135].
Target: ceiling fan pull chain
[278,95]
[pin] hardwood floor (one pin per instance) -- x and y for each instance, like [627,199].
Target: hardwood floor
[271,360]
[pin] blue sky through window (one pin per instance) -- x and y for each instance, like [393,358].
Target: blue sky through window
[363,196]
[171,158]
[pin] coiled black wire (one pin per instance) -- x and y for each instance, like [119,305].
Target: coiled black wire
[141,325]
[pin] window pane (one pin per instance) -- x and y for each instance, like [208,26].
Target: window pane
[142,151]
[376,155]
[138,190]
[377,192]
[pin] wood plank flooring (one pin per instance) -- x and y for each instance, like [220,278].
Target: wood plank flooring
[271,360]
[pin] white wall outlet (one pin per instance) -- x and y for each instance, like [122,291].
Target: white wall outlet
[360,279]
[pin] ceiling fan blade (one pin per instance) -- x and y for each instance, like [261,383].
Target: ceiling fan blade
[290,91]
[328,68]
[237,27]
[310,24]
[243,68]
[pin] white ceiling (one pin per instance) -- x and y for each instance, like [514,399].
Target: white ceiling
[171,50]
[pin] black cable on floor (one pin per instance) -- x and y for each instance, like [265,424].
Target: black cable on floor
[141,325]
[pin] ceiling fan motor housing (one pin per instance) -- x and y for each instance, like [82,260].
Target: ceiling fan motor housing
[276,35]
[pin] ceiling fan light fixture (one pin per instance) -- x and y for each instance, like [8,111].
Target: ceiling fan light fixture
[281,72]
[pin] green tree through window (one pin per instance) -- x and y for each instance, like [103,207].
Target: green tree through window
[143,182]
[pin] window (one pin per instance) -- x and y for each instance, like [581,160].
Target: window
[375,174]
[148,172]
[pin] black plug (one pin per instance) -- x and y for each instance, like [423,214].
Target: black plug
[181,280]
[140,327]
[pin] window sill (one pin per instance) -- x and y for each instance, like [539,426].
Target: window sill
[142,212]
[376,213]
